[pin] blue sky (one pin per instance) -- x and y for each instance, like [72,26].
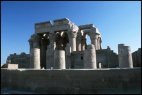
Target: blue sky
[118,21]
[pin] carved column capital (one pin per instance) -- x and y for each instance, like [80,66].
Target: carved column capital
[35,37]
[35,40]
[79,36]
[72,34]
[30,41]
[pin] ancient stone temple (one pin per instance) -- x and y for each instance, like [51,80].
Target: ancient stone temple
[60,44]
[61,62]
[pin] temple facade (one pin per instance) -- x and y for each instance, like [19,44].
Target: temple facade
[60,44]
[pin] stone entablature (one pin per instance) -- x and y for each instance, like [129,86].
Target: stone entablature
[56,25]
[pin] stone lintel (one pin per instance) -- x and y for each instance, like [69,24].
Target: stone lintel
[61,21]
[47,23]
[43,27]
[86,26]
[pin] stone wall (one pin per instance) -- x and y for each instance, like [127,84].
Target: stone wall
[23,60]
[77,60]
[107,58]
[73,81]
[137,58]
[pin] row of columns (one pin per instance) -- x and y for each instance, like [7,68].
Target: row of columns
[54,57]
[57,56]
[62,57]
[124,57]
[81,40]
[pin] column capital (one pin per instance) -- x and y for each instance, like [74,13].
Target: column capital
[83,40]
[79,36]
[30,41]
[44,42]
[35,40]
[72,34]
[35,37]
[73,27]
[93,37]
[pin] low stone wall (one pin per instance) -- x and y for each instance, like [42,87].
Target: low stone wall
[73,81]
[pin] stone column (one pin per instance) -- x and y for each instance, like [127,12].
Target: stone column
[99,43]
[68,57]
[59,53]
[90,57]
[73,44]
[83,42]
[124,56]
[36,52]
[78,41]
[59,59]
[31,50]
[94,42]
[43,53]
[49,56]
[72,40]
[78,44]
[50,52]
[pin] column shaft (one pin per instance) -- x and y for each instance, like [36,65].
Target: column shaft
[83,42]
[94,42]
[78,43]
[124,56]
[43,55]
[31,58]
[78,46]
[31,52]
[36,52]
[59,59]
[90,57]
[50,56]
[50,52]
[73,44]
[36,58]
[68,59]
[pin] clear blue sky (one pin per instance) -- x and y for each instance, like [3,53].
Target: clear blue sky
[118,22]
